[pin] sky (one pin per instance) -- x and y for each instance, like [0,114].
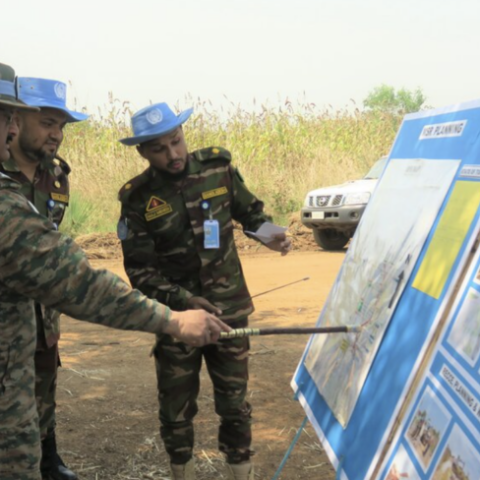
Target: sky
[246,52]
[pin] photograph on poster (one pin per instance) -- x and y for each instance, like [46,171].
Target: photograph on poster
[427,427]
[402,467]
[465,334]
[459,459]
[376,269]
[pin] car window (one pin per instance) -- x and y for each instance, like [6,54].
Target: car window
[377,169]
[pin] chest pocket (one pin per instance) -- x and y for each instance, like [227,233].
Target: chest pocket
[168,222]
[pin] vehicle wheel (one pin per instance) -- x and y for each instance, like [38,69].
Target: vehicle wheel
[330,239]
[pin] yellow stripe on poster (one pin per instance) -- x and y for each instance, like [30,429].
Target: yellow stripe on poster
[448,238]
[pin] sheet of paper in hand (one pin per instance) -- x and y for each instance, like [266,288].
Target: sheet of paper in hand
[266,232]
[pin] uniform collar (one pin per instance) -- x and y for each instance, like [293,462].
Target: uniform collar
[194,166]
[11,182]
[11,165]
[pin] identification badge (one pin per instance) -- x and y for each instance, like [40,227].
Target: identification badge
[212,234]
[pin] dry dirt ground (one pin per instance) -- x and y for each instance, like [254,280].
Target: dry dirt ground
[107,406]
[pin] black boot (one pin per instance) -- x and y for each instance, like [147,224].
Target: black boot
[51,465]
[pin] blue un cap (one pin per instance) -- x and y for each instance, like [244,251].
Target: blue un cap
[153,122]
[9,90]
[44,93]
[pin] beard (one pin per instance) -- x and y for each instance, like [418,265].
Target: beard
[35,155]
[44,156]
[175,177]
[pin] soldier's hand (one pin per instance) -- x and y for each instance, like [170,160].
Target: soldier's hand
[195,327]
[281,244]
[197,303]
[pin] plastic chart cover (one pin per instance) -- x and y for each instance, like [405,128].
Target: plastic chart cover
[375,271]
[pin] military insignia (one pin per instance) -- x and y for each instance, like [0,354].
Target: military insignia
[57,171]
[215,151]
[57,184]
[155,202]
[122,229]
[127,186]
[59,197]
[214,193]
[60,90]
[156,207]
[154,116]
[56,162]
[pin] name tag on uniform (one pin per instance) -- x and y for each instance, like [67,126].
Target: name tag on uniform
[157,207]
[212,234]
[214,193]
[59,197]
[158,212]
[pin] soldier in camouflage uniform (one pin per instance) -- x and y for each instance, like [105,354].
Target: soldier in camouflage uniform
[39,264]
[176,228]
[44,182]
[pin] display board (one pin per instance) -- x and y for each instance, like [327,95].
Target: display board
[439,437]
[398,281]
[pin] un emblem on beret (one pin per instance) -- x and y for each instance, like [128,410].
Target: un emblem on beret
[154,116]
[60,90]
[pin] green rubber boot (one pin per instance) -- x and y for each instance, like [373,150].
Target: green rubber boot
[183,472]
[240,471]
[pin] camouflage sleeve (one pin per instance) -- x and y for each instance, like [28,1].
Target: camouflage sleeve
[50,268]
[246,208]
[141,263]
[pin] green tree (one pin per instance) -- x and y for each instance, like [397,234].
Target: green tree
[385,99]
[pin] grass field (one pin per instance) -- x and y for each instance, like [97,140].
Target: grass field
[282,153]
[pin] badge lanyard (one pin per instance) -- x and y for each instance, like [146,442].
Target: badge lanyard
[211,228]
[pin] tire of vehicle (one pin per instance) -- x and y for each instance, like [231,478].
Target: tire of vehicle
[330,239]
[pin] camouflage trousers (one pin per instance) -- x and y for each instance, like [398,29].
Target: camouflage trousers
[19,436]
[178,380]
[47,361]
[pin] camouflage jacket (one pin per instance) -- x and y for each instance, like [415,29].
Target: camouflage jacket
[40,264]
[49,192]
[162,232]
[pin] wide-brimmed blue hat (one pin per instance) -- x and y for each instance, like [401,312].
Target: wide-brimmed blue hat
[9,90]
[154,121]
[44,93]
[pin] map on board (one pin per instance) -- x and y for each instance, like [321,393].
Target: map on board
[376,269]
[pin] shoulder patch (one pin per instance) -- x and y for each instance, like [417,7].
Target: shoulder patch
[237,173]
[212,153]
[63,164]
[125,192]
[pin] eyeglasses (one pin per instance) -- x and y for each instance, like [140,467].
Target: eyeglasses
[7,115]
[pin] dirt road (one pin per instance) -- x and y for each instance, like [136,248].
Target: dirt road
[107,406]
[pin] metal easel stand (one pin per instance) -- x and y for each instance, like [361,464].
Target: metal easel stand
[289,450]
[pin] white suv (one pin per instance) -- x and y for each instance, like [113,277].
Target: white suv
[333,213]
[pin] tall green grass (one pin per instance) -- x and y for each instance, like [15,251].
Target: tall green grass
[85,215]
[281,152]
